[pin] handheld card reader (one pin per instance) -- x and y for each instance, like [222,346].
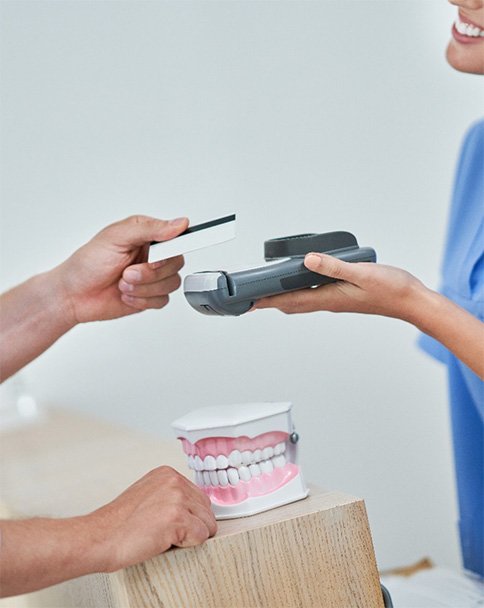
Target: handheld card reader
[234,293]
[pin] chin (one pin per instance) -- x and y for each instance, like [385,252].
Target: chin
[468,60]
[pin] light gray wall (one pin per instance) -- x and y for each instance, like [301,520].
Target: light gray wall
[300,116]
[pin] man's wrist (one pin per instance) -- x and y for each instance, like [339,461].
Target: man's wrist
[100,551]
[95,553]
[57,298]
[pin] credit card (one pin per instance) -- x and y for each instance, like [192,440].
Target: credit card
[195,237]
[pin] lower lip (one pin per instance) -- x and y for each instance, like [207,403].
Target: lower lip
[465,39]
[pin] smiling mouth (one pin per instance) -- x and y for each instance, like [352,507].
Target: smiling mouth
[464,31]
[243,456]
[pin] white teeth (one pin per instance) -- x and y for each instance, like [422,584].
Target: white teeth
[279,461]
[233,476]
[244,473]
[267,453]
[266,466]
[222,462]
[223,478]
[238,466]
[247,457]
[466,29]
[209,464]
[235,458]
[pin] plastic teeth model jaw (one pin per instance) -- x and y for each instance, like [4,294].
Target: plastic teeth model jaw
[243,456]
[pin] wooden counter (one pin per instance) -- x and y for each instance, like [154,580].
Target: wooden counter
[316,552]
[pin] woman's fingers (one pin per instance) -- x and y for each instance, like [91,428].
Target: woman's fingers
[330,266]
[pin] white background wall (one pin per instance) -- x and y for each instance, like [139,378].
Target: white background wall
[300,116]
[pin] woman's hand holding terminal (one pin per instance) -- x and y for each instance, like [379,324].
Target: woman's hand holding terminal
[369,288]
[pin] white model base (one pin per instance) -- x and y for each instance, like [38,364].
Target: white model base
[290,492]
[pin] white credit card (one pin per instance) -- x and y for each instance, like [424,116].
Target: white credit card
[195,237]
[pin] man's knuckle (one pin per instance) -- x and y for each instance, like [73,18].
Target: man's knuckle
[180,534]
[172,515]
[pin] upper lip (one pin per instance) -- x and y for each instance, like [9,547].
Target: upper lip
[464,18]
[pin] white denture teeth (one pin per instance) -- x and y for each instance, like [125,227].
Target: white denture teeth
[222,462]
[223,475]
[266,466]
[235,458]
[242,456]
[279,461]
[247,457]
[209,463]
[267,453]
[244,473]
[213,478]
[233,476]
[223,478]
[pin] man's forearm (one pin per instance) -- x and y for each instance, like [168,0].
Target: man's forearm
[33,316]
[454,327]
[36,553]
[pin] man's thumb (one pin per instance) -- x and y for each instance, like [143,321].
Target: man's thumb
[139,230]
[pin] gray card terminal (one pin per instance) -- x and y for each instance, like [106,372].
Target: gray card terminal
[234,293]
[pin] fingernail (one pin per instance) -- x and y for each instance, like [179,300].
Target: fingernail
[177,221]
[131,275]
[314,257]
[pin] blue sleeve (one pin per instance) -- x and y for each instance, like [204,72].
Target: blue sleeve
[463,265]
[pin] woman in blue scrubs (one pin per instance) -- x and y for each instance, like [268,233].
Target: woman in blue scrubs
[452,321]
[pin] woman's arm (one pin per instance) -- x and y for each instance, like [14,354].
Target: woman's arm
[107,278]
[392,292]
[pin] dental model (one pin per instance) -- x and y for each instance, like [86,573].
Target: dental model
[243,456]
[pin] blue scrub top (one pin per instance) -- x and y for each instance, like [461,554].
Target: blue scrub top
[463,282]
